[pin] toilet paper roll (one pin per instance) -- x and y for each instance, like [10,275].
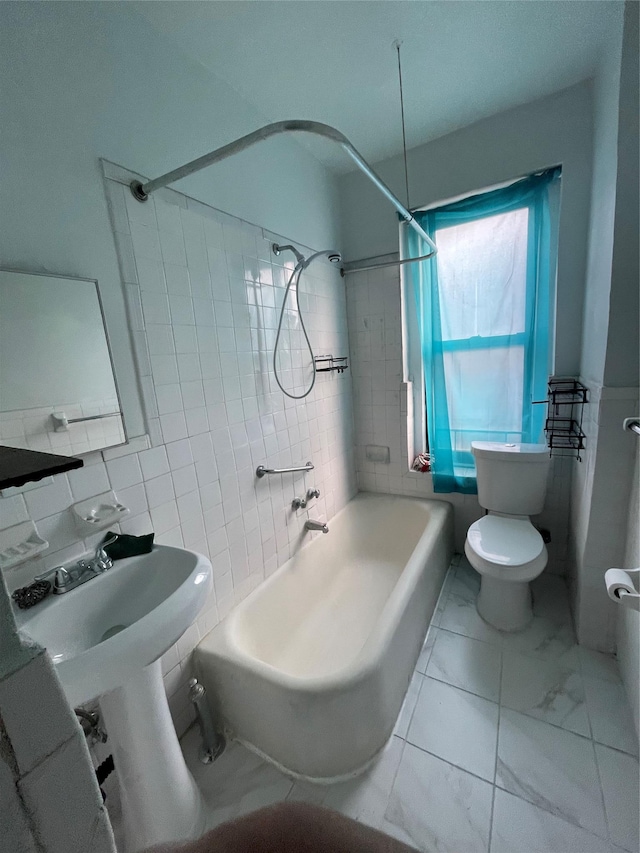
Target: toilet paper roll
[616,580]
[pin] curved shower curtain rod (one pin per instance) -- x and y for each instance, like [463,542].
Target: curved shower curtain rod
[142,191]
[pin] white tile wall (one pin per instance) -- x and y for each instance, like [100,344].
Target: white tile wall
[39,749]
[33,429]
[382,404]
[204,292]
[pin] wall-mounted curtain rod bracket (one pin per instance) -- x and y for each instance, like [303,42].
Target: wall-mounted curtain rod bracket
[142,191]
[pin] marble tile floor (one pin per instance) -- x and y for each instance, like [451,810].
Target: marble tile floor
[505,743]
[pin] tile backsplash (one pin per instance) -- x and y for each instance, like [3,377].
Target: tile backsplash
[34,429]
[204,292]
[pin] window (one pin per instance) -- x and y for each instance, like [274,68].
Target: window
[484,316]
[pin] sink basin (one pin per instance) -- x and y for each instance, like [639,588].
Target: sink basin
[106,638]
[103,632]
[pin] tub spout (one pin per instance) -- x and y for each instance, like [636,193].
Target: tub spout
[316,525]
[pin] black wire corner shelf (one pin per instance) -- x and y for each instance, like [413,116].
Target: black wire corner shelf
[565,401]
[329,363]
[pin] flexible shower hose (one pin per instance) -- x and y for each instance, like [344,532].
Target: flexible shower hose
[296,275]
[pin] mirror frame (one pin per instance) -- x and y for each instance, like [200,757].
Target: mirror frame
[94,281]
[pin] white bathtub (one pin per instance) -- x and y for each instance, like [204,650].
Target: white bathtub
[311,669]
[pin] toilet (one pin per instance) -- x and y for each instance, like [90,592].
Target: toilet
[503,546]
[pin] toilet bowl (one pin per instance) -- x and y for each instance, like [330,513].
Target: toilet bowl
[504,547]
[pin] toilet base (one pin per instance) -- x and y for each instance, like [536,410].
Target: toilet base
[505,604]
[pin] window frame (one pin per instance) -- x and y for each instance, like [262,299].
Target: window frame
[413,366]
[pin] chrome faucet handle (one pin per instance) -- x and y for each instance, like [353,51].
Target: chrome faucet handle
[102,561]
[61,579]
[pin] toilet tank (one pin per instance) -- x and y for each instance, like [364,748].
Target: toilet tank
[512,478]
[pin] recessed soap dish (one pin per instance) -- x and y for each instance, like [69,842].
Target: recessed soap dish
[100,511]
[20,543]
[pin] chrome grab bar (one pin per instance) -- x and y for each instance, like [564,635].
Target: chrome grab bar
[261,470]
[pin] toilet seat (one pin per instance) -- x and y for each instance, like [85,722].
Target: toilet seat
[506,548]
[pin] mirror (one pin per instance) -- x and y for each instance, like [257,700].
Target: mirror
[57,389]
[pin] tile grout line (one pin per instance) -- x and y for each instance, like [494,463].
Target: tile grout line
[469,637]
[450,763]
[533,657]
[515,710]
[495,767]
[393,782]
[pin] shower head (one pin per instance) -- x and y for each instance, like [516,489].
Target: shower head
[277,249]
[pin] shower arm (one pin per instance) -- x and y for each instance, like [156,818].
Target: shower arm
[142,191]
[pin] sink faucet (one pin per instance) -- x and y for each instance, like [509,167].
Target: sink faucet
[310,524]
[67,578]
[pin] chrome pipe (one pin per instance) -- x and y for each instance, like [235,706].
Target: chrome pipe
[277,249]
[351,266]
[261,470]
[212,742]
[632,424]
[142,191]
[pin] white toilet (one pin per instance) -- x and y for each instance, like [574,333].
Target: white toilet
[504,546]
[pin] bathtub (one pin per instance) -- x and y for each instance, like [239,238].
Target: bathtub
[311,669]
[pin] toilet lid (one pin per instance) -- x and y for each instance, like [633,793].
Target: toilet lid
[505,541]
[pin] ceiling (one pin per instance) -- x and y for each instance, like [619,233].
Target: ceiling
[334,61]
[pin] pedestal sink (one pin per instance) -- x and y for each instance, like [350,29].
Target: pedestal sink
[105,639]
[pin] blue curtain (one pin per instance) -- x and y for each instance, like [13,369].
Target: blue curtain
[483,308]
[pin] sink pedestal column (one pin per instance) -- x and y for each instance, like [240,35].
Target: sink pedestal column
[160,800]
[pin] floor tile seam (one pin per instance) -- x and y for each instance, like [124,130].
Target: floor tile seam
[450,763]
[591,726]
[495,766]
[443,597]
[617,749]
[493,806]
[395,776]
[530,655]
[430,627]
[555,725]
[587,738]
[579,670]
[618,680]
[602,796]
[413,711]
[291,787]
[594,737]
[457,687]
[430,650]
[563,816]
[469,637]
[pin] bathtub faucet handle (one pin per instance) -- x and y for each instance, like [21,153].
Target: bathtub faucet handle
[298,503]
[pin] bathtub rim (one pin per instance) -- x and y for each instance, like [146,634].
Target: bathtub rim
[367,660]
